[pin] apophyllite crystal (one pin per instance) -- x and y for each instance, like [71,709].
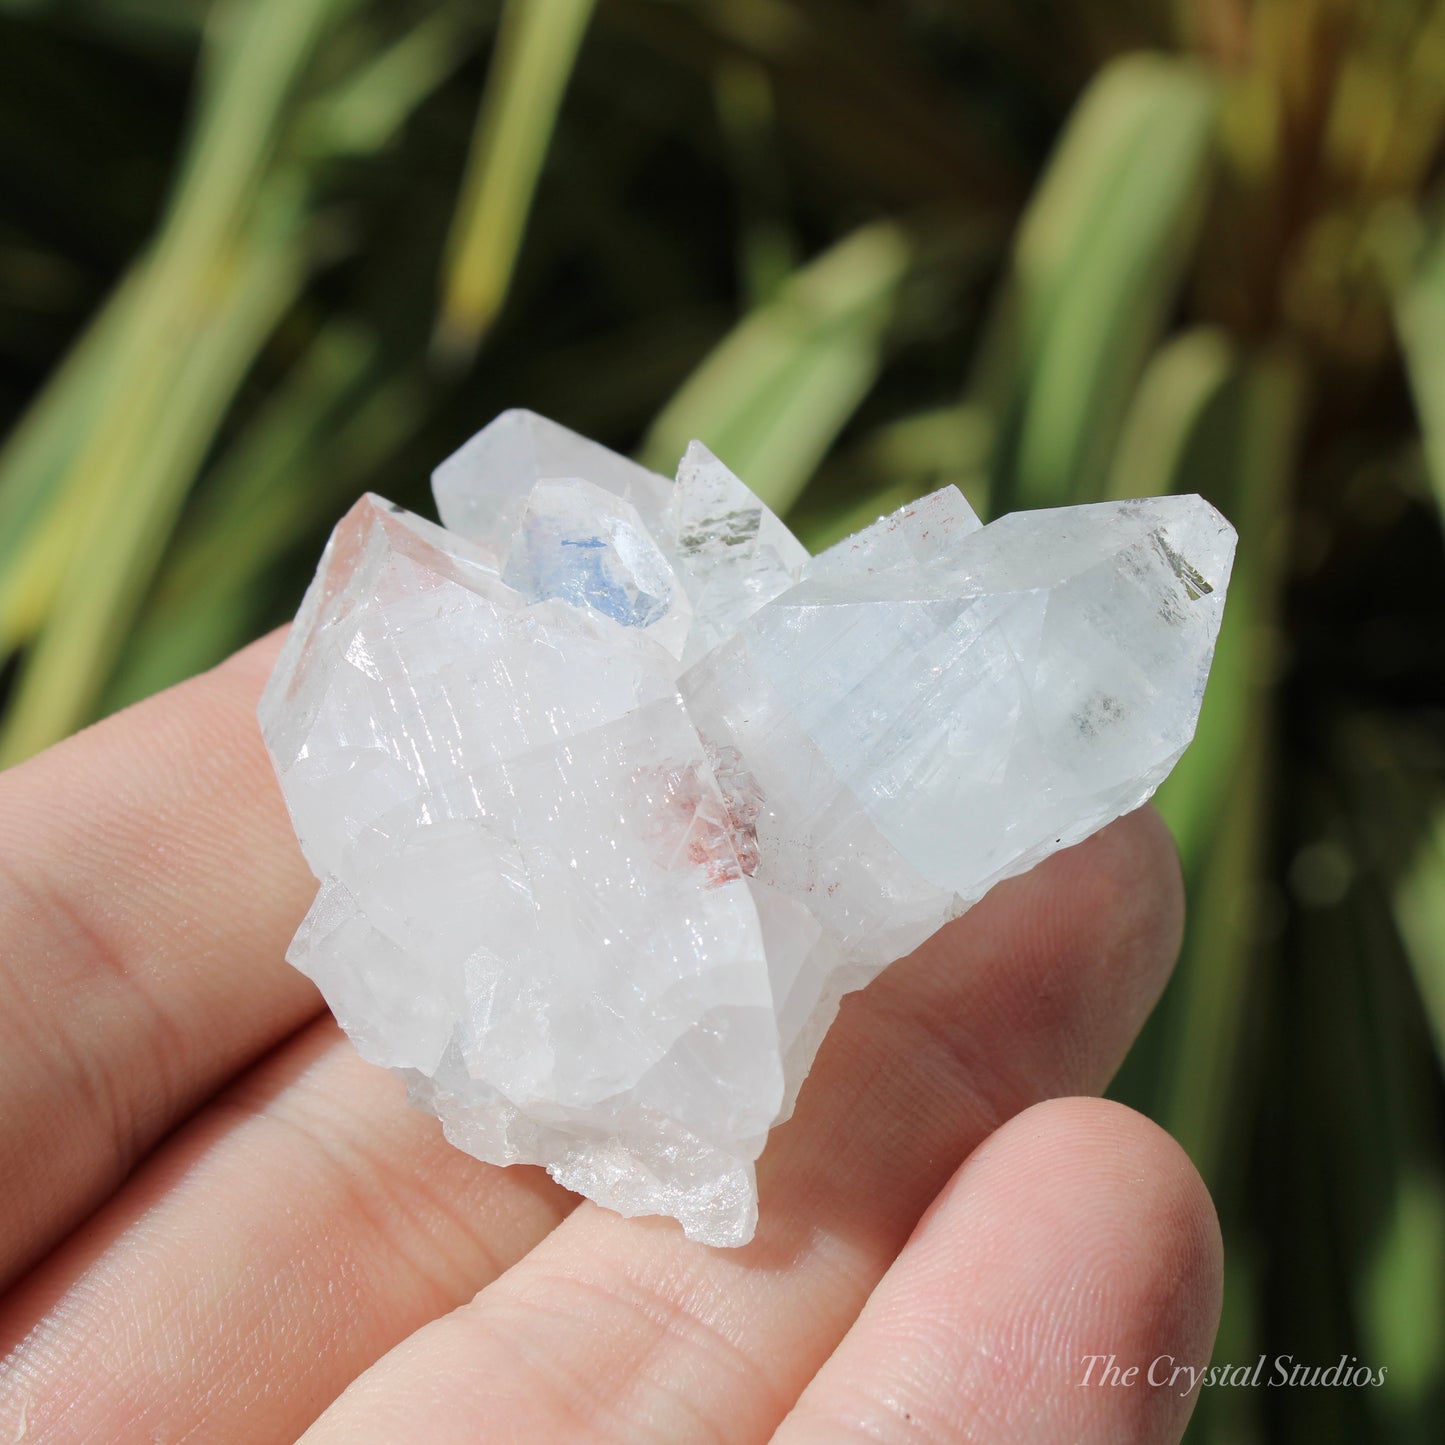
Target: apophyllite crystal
[613,792]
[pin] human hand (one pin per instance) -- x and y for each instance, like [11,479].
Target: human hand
[218,1223]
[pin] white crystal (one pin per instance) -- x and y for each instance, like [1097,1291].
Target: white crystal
[613,794]
[481,489]
[734,553]
[591,549]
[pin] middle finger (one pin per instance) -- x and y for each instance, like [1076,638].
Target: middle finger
[279,1243]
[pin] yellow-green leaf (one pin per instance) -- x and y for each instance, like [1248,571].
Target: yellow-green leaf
[1098,259]
[537,45]
[775,392]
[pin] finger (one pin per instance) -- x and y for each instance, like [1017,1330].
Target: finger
[258,1261]
[623,1330]
[1077,1232]
[149,883]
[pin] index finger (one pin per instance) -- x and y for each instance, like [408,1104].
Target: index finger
[149,884]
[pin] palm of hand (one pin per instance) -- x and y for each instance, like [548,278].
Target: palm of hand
[219,1224]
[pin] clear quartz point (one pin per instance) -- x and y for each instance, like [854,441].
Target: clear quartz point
[613,793]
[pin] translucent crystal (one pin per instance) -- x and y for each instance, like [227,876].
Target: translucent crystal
[734,553]
[481,489]
[613,794]
[591,549]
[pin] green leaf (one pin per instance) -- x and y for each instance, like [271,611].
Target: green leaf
[773,395]
[1098,260]
[256,55]
[1240,452]
[537,46]
[1243,439]
[893,464]
[134,475]
[257,52]
[34,527]
[303,459]
[1420,321]
[1402,829]
[108,456]
[767,251]
[1420,914]
[1233,439]
[1404,1289]
[1161,434]
[363,113]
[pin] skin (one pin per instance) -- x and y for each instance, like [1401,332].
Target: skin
[216,1223]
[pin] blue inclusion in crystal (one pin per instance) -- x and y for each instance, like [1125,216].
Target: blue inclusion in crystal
[586,572]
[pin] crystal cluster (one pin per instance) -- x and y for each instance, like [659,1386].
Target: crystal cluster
[613,792]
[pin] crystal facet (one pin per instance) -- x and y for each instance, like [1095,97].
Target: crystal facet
[614,793]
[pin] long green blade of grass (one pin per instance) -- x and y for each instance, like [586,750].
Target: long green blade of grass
[157,449]
[1206,420]
[363,113]
[1403,1294]
[256,54]
[1212,799]
[1228,424]
[1420,320]
[767,250]
[773,395]
[1420,915]
[537,45]
[894,464]
[336,418]
[1160,440]
[35,458]
[1099,255]
[1401,831]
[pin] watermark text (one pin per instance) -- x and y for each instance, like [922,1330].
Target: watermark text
[1165,1372]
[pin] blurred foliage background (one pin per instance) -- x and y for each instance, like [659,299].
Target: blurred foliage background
[259,256]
